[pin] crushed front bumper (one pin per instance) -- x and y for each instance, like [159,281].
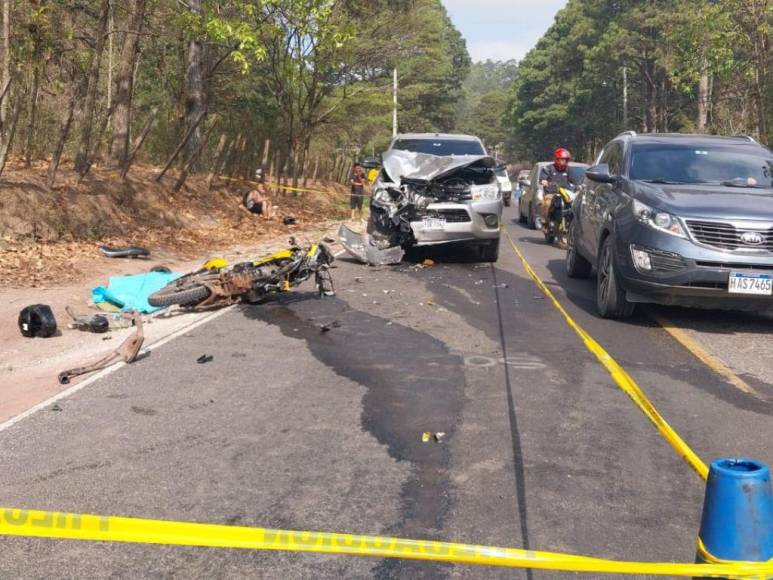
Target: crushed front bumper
[463,222]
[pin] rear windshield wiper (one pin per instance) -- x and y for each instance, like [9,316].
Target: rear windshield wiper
[662,181]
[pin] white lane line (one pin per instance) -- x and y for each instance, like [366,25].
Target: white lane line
[103,373]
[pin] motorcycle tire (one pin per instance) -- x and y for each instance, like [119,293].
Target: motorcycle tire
[190,296]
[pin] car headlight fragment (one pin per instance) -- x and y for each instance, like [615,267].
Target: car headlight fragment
[659,220]
[486,192]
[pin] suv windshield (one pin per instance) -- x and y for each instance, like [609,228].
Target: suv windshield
[734,166]
[440,146]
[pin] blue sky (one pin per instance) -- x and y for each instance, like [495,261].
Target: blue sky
[502,29]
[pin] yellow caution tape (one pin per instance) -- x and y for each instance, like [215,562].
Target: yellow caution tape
[288,188]
[42,524]
[620,376]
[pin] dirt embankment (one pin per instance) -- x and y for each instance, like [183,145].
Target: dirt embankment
[52,237]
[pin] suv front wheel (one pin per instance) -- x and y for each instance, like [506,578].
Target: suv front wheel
[610,297]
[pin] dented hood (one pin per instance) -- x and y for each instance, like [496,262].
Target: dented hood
[399,164]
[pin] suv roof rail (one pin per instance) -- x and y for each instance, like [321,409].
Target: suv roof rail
[629,133]
[748,138]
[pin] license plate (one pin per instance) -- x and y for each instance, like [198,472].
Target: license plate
[430,223]
[750,283]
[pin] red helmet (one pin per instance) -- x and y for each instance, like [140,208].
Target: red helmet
[561,158]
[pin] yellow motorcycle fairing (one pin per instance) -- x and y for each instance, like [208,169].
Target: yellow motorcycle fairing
[312,250]
[280,255]
[566,195]
[215,264]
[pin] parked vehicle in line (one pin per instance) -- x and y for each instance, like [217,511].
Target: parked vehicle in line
[530,202]
[433,189]
[676,219]
[218,282]
[505,185]
[523,178]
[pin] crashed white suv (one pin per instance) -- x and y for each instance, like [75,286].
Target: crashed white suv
[436,189]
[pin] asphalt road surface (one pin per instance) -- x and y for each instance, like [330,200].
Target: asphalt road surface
[292,427]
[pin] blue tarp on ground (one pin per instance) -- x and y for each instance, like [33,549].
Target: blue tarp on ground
[131,292]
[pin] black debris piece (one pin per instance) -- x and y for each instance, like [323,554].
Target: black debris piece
[205,358]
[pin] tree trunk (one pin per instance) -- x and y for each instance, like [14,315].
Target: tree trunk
[138,144]
[195,96]
[56,156]
[33,111]
[192,160]
[219,156]
[83,156]
[704,96]
[10,131]
[181,145]
[6,57]
[761,46]
[266,152]
[124,86]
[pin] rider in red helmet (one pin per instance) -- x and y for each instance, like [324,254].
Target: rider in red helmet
[554,175]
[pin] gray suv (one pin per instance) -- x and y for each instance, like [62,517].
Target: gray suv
[676,219]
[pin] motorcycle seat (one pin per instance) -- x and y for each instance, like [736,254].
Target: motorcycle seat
[128,252]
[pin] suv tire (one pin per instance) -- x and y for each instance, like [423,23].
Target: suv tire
[530,220]
[610,297]
[576,264]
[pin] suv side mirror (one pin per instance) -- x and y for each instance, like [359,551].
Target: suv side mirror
[600,173]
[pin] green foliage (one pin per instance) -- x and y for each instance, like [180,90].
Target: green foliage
[569,89]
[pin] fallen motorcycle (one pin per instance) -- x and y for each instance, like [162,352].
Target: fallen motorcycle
[218,282]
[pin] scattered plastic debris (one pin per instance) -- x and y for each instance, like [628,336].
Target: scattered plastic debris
[205,358]
[56,407]
[96,323]
[428,436]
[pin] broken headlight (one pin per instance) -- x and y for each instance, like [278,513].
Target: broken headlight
[486,192]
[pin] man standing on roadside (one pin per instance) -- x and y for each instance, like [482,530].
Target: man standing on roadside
[357,181]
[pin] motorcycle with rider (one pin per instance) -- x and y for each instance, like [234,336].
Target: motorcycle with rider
[559,192]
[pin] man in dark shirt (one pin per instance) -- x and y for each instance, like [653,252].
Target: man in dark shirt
[552,177]
[357,181]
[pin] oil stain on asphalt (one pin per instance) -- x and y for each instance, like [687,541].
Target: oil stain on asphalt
[413,385]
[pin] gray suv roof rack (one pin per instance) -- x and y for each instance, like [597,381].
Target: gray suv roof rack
[629,133]
[748,137]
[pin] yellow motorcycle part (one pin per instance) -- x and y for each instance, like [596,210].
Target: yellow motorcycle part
[312,250]
[565,194]
[215,264]
[286,286]
[280,255]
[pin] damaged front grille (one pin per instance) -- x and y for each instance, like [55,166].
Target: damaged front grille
[451,215]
